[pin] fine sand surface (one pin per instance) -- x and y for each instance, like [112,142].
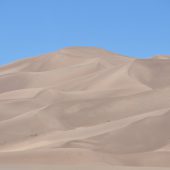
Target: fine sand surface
[85,108]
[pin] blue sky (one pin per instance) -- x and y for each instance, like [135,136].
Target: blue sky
[137,28]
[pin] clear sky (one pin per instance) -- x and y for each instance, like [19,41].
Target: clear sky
[138,28]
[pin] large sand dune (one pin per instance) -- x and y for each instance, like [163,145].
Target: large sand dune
[85,106]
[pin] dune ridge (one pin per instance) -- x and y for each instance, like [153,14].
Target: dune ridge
[85,105]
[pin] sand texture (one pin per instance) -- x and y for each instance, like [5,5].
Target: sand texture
[85,107]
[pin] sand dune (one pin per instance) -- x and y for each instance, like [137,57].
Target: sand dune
[85,106]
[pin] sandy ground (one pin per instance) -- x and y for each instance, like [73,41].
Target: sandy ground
[85,108]
[76,167]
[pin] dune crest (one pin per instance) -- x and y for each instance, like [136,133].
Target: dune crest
[85,105]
